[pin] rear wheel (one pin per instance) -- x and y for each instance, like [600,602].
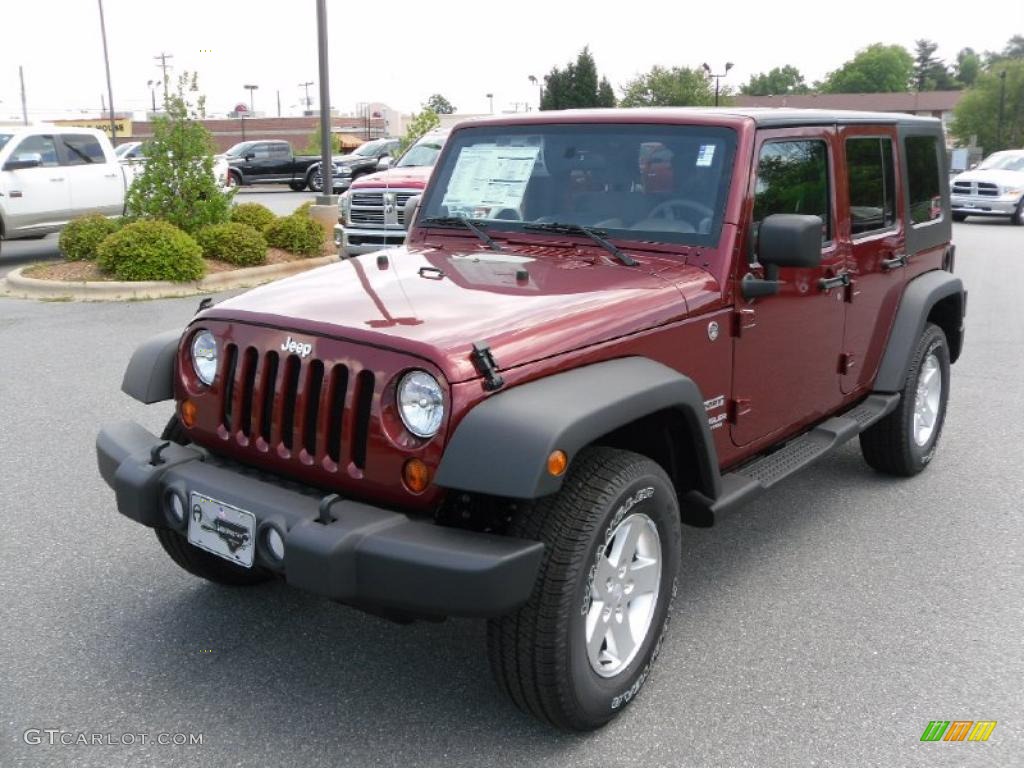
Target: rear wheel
[904,442]
[192,559]
[959,216]
[583,645]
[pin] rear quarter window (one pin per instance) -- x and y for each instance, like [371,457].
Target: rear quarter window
[923,184]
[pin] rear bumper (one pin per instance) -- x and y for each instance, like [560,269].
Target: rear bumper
[366,556]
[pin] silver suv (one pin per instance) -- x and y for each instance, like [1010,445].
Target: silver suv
[994,188]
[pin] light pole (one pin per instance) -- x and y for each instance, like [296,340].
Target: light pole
[1002,104]
[151,84]
[728,66]
[540,91]
[309,104]
[250,89]
[106,63]
[326,167]
[490,99]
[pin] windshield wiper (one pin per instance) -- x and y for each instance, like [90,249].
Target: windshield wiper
[459,221]
[597,235]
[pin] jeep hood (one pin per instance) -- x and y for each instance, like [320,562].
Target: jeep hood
[412,177]
[434,304]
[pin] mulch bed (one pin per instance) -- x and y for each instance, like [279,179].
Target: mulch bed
[87,271]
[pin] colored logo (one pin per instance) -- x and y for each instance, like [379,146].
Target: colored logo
[958,730]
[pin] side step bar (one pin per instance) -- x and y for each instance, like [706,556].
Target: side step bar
[754,478]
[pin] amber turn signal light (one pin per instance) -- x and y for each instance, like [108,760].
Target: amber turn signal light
[415,475]
[188,413]
[557,463]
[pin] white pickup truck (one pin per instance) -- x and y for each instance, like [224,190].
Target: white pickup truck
[51,174]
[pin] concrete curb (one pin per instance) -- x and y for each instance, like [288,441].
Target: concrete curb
[20,286]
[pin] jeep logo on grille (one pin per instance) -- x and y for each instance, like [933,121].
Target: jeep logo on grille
[296,347]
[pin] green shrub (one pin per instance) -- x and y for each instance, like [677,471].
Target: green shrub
[234,243]
[151,250]
[255,215]
[80,237]
[296,234]
[303,210]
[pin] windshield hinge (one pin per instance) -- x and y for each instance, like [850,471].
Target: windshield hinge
[485,364]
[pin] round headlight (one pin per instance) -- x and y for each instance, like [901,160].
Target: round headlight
[420,403]
[204,356]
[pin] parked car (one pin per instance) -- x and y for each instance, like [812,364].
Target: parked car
[514,415]
[348,168]
[269,162]
[132,156]
[994,188]
[372,211]
[51,174]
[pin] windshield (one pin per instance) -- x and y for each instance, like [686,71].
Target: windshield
[238,149]
[659,183]
[422,153]
[1004,161]
[4,138]
[370,148]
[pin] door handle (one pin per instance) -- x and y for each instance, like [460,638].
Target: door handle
[839,281]
[110,175]
[60,178]
[894,262]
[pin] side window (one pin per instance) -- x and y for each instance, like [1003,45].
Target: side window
[923,178]
[81,149]
[872,184]
[279,151]
[43,146]
[792,177]
[261,151]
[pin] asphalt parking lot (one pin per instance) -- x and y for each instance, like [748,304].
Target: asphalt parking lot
[825,624]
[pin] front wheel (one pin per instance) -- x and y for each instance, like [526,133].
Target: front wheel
[904,442]
[316,181]
[959,216]
[582,647]
[1018,214]
[297,186]
[234,180]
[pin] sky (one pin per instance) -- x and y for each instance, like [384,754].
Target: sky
[400,52]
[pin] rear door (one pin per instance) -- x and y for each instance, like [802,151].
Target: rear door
[282,167]
[784,358]
[875,246]
[96,181]
[36,197]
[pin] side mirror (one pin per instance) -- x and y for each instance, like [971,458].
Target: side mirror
[384,163]
[783,240]
[250,156]
[412,206]
[27,160]
[790,240]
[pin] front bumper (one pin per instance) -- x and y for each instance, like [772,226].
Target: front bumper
[352,241]
[366,556]
[978,205]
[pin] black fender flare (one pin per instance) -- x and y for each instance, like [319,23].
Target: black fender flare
[149,377]
[919,298]
[501,446]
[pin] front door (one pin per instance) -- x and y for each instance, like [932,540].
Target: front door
[40,196]
[876,248]
[785,357]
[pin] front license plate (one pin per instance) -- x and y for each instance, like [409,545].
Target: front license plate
[222,529]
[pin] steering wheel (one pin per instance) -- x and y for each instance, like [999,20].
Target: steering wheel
[673,210]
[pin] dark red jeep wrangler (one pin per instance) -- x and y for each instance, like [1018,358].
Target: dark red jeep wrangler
[513,416]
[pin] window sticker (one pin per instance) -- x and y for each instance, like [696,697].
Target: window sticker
[706,155]
[489,178]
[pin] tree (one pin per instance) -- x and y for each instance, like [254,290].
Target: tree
[930,73]
[422,122]
[439,104]
[176,183]
[977,114]
[968,64]
[878,68]
[675,87]
[1014,50]
[313,144]
[577,86]
[777,81]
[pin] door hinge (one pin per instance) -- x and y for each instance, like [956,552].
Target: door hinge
[738,407]
[847,361]
[743,319]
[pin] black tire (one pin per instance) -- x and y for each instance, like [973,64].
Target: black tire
[234,180]
[197,561]
[959,216]
[1017,219]
[315,181]
[538,654]
[297,186]
[889,446]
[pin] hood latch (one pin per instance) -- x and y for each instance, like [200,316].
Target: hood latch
[483,361]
